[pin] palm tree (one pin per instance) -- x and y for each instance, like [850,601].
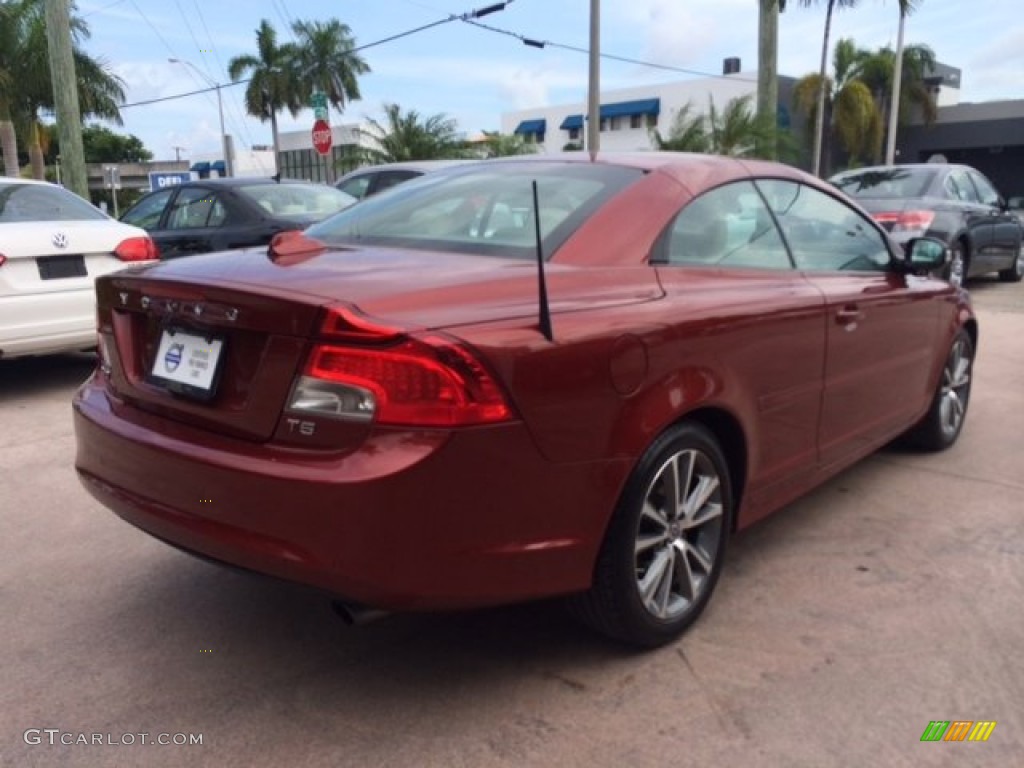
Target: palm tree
[767,66]
[819,114]
[849,110]
[878,72]
[11,21]
[736,130]
[273,84]
[688,133]
[497,144]
[324,61]
[100,91]
[408,136]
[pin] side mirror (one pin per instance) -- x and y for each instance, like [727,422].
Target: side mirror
[925,254]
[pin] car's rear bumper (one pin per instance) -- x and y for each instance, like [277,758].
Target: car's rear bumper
[409,521]
[41,323]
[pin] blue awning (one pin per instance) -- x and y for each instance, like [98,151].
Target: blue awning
[219,166]
[201,167]
[630,108]
[571,122]
[531,126]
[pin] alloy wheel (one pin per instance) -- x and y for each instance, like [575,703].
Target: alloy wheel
[956,381]
[678,534]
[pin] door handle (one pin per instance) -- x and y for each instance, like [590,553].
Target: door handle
[849,315]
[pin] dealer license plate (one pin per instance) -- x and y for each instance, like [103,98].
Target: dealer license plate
[187,363]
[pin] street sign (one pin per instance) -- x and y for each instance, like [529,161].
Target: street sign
[159,180]
[318,100]
[111,177]
[322,137]
[319,113]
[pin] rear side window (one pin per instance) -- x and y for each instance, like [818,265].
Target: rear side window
[43,202]
[823,233]
[486,211]
[147,212]
[297,200]
[727,227]
[886,183]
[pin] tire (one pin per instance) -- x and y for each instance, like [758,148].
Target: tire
[941,426]
[660,561]
[956,272]
[1016,272]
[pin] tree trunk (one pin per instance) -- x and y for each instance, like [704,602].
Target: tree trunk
[819,121]
[767,73]
[273,132]
[35,154]
[9,147]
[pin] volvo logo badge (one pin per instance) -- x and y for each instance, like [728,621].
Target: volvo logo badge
[59,240]
[172,357]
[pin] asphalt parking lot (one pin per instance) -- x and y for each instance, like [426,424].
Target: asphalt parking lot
[843,625]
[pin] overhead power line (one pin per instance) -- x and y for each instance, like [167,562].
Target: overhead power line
[539,43]
[468,16]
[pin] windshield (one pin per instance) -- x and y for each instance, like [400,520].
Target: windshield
[299,201]
[43,202]
[886,182]
[485,209]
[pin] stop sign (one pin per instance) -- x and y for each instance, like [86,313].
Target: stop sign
[322,137]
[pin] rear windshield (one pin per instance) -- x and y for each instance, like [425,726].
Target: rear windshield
[43,202]
[485,209]
[886,182]
[297,200]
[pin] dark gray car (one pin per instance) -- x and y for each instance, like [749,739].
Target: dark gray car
[954,203]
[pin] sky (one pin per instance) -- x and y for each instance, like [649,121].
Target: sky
[473,74]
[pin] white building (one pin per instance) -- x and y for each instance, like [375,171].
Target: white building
[299,160]
[629,114]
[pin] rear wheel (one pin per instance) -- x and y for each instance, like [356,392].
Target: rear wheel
[664,548]
[1016,272]
[941,426]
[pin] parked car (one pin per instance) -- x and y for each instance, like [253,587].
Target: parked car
[373,179]
[393,406]
[954,203]
[53,245]
[222,214]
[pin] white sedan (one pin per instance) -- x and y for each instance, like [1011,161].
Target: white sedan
[53,245]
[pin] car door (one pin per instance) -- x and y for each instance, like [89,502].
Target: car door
[722,258]
[148,212]
[976,219]
[1005,234]
[880,324]
[190,223]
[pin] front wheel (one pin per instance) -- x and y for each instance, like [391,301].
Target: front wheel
[941,426]
[1015,273]
[665,546]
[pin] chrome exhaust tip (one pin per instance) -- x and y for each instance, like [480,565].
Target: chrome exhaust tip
[356,615]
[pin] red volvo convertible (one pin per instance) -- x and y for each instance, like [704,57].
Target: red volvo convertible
[519,379]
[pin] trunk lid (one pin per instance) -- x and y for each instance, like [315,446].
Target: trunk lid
[267,315]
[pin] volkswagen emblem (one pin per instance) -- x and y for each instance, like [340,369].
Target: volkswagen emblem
[60,240]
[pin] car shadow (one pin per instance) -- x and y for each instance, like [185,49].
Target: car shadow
[25,376]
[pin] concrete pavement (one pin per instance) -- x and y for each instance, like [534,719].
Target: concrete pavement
[889,598]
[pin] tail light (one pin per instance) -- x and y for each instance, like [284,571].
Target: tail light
[394,378]
[3,259]
[906,221]
[137,249]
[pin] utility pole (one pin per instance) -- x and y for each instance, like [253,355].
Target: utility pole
[65,95]
[177,153]
[594,92]
[768,69]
